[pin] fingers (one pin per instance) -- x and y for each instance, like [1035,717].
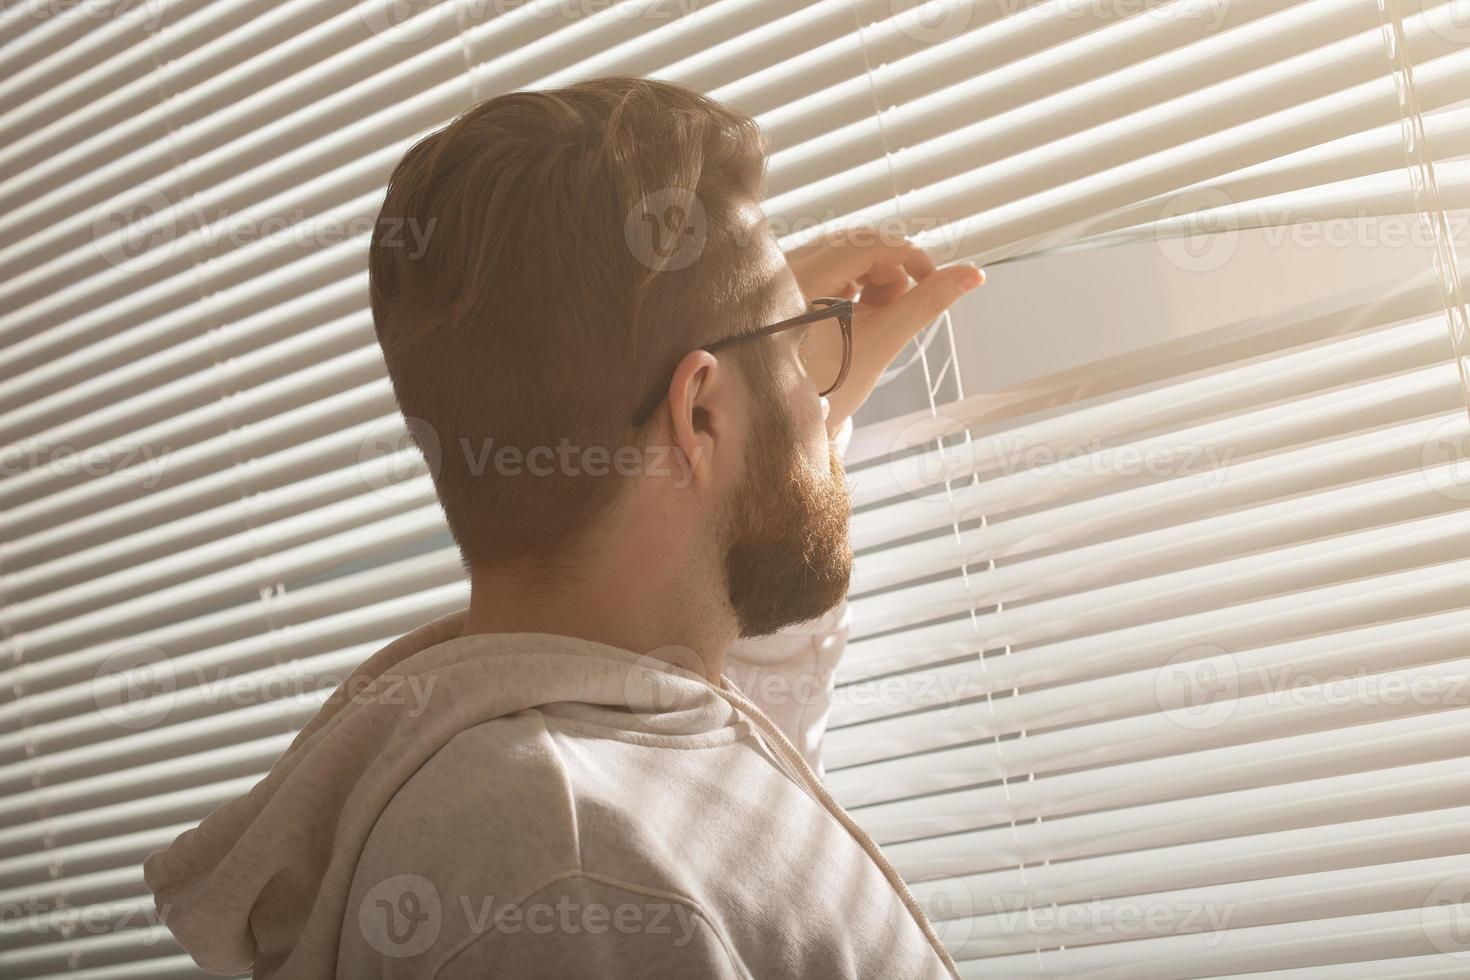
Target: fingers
[824,268]
[884,285]
[893,325]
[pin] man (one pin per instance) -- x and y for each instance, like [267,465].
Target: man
[575,788]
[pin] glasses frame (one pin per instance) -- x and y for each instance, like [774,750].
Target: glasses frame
[827,307]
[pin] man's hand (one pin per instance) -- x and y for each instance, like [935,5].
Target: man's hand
[896,290]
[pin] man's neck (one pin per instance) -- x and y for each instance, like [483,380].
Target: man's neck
[676,621]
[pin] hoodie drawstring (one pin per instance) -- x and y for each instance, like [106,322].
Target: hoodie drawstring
[815,788]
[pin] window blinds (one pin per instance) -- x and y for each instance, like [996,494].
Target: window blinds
[209,510]
[1178,696]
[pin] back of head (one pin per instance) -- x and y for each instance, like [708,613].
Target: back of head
[568,246]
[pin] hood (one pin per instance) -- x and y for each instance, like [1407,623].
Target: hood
[267,875]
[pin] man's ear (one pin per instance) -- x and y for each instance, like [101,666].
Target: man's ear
[703,405]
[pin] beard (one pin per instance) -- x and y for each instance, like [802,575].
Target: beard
[787,557]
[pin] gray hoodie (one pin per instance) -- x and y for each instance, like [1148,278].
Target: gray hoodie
[527,804]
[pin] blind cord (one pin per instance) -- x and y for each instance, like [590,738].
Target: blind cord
[930,388]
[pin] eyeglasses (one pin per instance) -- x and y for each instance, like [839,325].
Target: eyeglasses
[829,324]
